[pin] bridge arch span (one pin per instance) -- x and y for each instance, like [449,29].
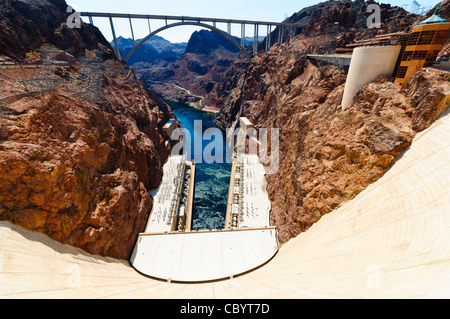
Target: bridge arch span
[177,24]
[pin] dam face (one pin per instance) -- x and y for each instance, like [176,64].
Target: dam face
[390,241]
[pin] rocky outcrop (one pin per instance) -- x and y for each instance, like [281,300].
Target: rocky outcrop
[156,52]
[79,152]
[223,89]
[334,24]
[328,155]
[206,42]
[428,96]
[204,63]
[44,22]
[328,25]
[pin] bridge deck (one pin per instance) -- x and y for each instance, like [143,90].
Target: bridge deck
[198,21]
[186,18]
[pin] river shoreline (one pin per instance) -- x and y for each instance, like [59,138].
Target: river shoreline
[207,109]
[212,179]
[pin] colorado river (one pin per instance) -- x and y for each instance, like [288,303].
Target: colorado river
[211,180]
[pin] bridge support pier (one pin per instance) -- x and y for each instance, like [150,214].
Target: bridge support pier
[255,39]
[291,33]
[197,21]
[116,49]
[242,35]
[132,33]
[280,35]
[269,31]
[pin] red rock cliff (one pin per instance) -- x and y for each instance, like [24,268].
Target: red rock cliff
[328,155]
[328,25]
[79,153]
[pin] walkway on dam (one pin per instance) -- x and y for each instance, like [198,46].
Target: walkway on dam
[336,59]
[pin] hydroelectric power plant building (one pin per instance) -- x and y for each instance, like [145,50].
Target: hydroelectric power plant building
[398,54]
[421,47]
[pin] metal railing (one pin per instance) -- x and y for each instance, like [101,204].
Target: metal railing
[211,23]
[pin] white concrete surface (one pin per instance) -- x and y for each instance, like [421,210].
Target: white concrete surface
[336,59]
[169,127]
[253,205]
[203,256]
[390,241]
[367,64]
[167,196]
[245,123]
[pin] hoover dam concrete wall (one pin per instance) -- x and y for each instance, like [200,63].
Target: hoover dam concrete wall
[390,241]
[367,64]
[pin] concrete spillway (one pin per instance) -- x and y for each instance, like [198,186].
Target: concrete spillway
[389,241]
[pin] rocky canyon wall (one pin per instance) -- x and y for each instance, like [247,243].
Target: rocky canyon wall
[328,155]
[80,150]
[328,25]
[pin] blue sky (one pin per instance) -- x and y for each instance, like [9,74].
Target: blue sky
[266,10]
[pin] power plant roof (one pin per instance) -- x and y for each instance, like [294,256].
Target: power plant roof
[435,18]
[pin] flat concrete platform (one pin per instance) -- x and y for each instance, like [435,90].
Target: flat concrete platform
[336,59]
[203,255]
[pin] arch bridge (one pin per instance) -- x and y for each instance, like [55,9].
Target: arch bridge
[284,29]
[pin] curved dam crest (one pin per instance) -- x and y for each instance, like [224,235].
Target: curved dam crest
[382,244]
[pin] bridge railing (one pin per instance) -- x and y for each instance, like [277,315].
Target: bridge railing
[180,20]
